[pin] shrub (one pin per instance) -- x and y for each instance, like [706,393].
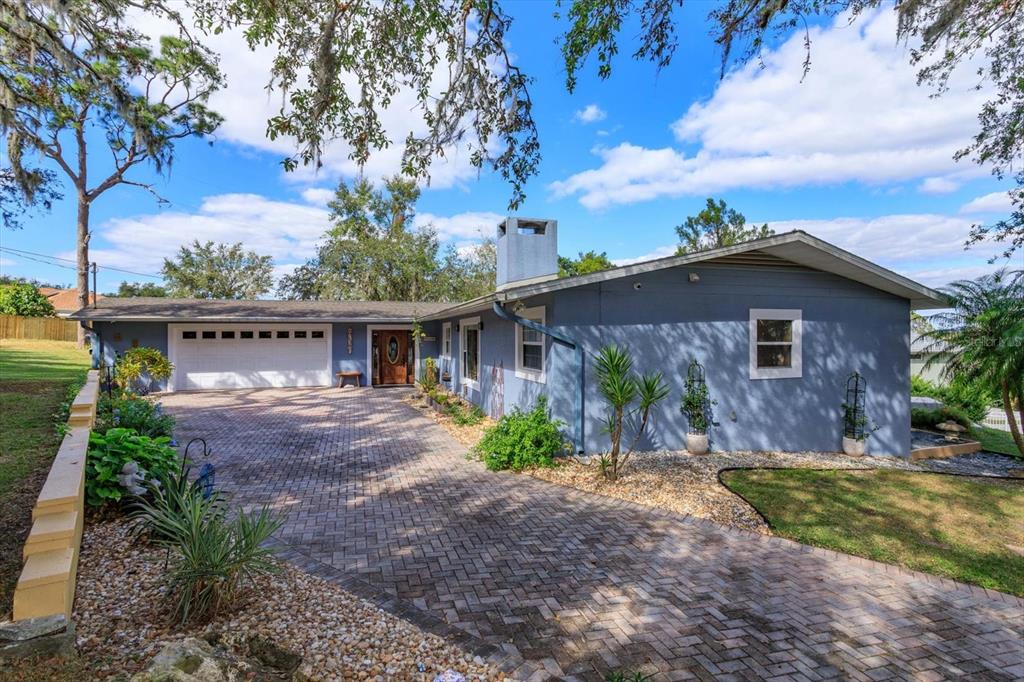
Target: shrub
[463,414]
[970,397]
[143,416]
[139,363]
[523,439]
[697,401]
[120,461]
[213,555]
[923,418]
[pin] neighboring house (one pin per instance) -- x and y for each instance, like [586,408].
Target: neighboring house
[778,323]
[65,301]
[921,351]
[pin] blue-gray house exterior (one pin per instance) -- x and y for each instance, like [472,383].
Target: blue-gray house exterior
[845,313]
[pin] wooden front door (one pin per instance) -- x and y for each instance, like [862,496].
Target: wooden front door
[393,355]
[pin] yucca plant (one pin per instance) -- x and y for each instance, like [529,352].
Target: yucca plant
[212,555]
[620,387]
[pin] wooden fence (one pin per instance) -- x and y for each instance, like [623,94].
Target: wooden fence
[49,328]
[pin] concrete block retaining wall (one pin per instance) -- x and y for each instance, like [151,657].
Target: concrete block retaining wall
[47,583]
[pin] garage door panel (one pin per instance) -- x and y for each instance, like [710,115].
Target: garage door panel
[226,363]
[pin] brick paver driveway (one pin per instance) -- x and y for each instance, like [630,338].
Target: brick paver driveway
[577,584]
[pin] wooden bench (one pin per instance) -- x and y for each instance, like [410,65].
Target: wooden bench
[352,374]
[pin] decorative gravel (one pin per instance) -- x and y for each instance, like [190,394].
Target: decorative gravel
[977,464]
[122,619]
[468,434]
[688,484]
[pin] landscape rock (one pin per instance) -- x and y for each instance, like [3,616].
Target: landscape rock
[193,660]
[49,636]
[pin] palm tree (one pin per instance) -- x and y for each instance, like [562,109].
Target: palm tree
[983,337]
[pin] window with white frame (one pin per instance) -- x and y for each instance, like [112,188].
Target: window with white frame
[446,340]
[530,346]
[775,343]
[470,344]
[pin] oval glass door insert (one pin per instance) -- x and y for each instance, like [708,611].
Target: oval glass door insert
[393,349]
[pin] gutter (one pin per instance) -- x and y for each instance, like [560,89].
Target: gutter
[566,341]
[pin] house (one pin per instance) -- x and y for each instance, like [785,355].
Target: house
[778,323]
[922,351]
[65,301]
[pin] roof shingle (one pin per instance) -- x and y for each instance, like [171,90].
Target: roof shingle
[172,309]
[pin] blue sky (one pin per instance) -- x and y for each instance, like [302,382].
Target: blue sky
[855,153]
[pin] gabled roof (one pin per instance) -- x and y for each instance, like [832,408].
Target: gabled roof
[790,248]
[203,310]
[64,300]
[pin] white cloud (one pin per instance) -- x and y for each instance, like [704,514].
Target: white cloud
[659,252]
[246,105]
[590,114]
[858,116]
[318,196]
[938,185]
[469,225]
[7,261]
[996,202]
[286,231]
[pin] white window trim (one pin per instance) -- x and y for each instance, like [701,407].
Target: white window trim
[525,372]
[446,337]
[464,324]
[796,370]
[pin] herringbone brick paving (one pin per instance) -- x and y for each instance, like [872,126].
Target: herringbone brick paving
[578,584]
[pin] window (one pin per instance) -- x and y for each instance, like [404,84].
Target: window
[775,344]
[282,335]
[209,335]
[245,335]
[265,335]
[530,346]
[188,335]
[316,334]
[227,335]
[446,340]
[470,329]
[300,334]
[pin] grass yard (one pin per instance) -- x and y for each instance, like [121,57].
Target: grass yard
[995,440]
[967,529]
[35,377]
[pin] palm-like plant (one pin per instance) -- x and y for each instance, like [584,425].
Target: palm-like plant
[983,338]
[620,387]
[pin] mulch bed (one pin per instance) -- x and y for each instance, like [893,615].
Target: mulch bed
[122,616]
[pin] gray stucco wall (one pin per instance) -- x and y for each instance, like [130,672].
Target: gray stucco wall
[846,327]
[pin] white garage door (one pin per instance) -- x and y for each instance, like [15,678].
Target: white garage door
[210,356]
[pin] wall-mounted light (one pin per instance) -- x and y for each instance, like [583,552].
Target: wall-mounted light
[694,277]
[637,286]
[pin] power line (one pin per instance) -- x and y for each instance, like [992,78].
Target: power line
[29,254]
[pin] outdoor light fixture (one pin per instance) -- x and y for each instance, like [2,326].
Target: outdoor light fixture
[694,278]
[637,286]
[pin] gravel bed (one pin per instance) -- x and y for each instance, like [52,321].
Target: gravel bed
[688,484]
[122,619]
[976,464]
[468,435]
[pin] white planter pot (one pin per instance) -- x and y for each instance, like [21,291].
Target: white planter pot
[696,443]
[854,447]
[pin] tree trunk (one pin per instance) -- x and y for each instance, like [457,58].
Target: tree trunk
[82,248]
[1011,418]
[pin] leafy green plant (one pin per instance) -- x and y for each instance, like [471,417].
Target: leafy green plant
[623,676]
[697,402]
[523,439]
[464,414]
[213,555]
[145,417]
[428,379]
[604,464]
[620,387]
[120,461]
[23,298]
[138,363]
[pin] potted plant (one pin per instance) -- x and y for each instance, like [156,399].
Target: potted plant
[696,407]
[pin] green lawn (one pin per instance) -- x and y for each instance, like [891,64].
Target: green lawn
[995,440]
[34,380]
[968,529]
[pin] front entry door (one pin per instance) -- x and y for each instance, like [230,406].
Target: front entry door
[392,352]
